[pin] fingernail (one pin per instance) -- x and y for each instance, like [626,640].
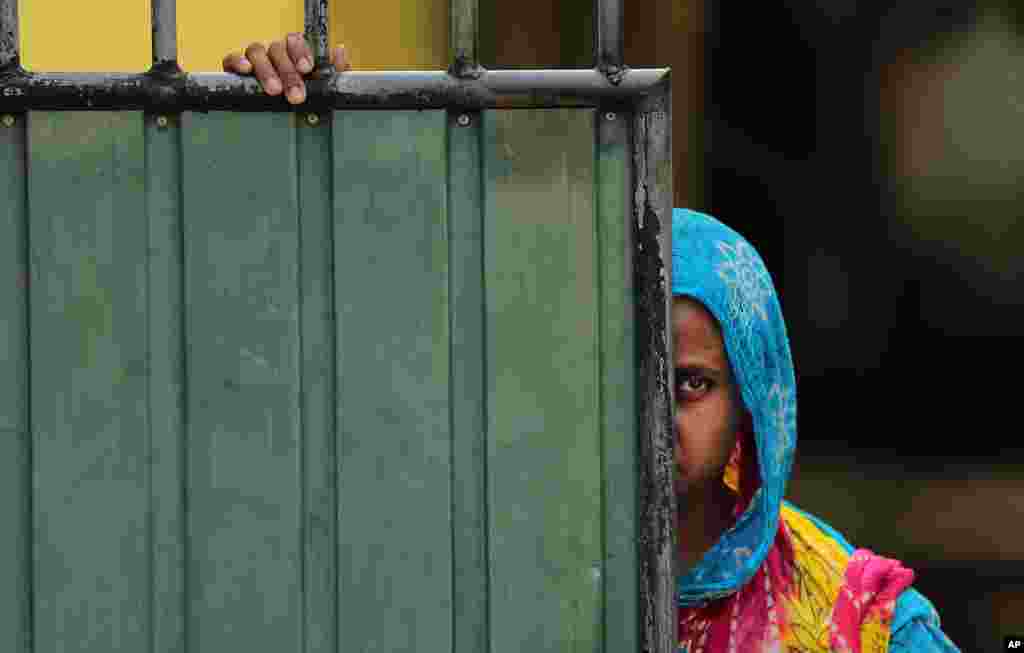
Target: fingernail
[295,94]
[306,65]
[243,61]
[273,86]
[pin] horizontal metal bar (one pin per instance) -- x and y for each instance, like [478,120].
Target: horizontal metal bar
[398,90]
[8,34]
[165,32]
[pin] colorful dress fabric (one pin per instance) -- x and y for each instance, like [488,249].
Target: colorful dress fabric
[778,579]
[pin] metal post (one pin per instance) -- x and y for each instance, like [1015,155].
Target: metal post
[652,257]
[8,34]
[464,38]
[165,33]
[608,39]
[316,34]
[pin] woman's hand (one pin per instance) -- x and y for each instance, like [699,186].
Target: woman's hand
[281,66]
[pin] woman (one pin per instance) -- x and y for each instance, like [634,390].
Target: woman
[759,574]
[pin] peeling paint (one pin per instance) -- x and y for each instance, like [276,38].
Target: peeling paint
[166,88]
[316,35]
[9,59]
[608,30]
[464,67]
[652,211]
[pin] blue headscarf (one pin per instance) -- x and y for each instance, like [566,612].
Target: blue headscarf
[719,268]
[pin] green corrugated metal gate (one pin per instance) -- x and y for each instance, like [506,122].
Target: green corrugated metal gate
[262,356]
[384,372]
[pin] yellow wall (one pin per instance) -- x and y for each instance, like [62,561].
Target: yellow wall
[114,35]
[394,34]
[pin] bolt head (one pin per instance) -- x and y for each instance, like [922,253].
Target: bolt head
[161,121]
[313,119]
[463,120]
[8,120]
[610,115]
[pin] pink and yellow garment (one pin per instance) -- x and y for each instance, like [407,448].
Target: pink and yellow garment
[778,579]
[809,595]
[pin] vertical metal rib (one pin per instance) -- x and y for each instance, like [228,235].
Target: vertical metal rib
[165,31]
[8,33]
[463,35]
[316,30]
[608,35]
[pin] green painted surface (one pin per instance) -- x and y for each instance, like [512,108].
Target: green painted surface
[618,390]
[319,526]
[543,418]
[244,495]
[166,386]
[469,450]
[87,243]
[394,437]
[359,386]
[15,471]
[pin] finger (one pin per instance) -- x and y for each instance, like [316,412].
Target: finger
[265,72]
[340,59]
[300,53]
[236,63]
[294,87]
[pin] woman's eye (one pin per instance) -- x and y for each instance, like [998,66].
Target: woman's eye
[693,384]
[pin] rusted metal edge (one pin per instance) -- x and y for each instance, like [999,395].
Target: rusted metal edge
[8,34]
[164,90]
[608,39]
[165,33]
[652,247]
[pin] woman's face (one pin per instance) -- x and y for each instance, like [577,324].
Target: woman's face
[708,407]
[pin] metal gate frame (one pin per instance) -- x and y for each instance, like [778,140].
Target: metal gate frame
[644,95]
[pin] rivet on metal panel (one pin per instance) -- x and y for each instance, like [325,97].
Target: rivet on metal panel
[312,119]
[463,120]
[161,121]
[8,120]
[610,115]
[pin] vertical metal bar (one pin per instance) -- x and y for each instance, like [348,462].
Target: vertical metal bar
[652,248]
[165,32]
[8,34]
[316,31]
[608,37]
[464,39]
[463,32]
